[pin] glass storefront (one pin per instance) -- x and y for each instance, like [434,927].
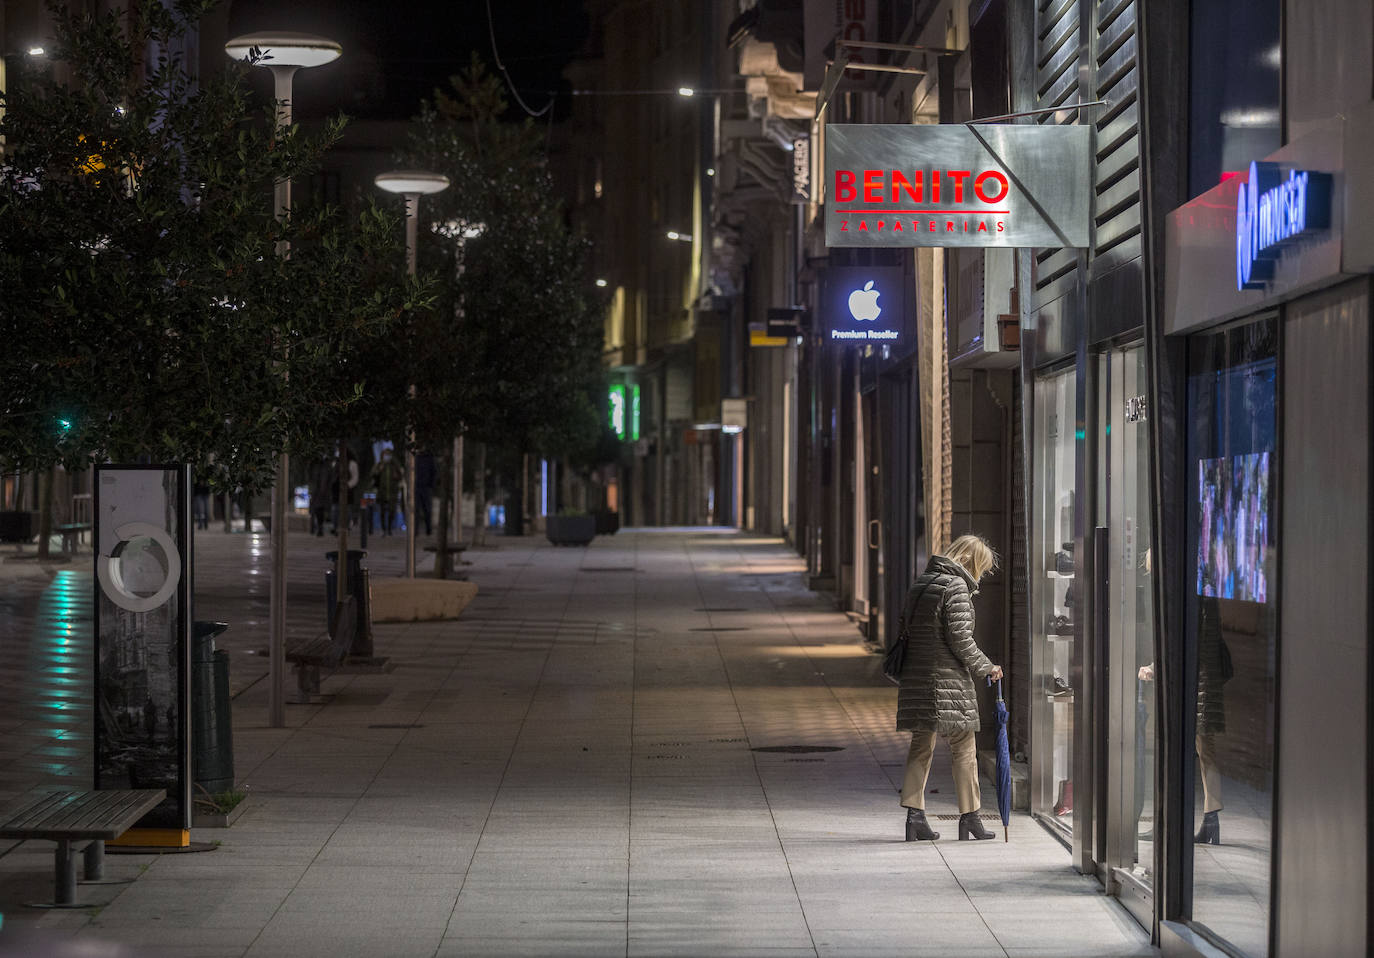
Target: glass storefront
[1123,505]
[1053,599]
[1231,607]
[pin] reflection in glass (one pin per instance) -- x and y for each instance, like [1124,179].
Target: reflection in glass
[1055,597]
[1231,601]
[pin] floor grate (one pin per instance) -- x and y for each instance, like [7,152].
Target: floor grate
[720,628]
[608,568]
[397,725]
[798,749]
[722,609]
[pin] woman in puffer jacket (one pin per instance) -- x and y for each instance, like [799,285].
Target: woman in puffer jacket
[937,694]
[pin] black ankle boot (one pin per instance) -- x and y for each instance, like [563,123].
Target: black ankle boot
[917,828]
[971,827]
[1210,832]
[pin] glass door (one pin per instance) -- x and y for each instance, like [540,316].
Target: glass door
[1054,596]
[1124,508]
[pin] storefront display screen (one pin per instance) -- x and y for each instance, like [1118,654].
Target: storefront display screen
[1233,527]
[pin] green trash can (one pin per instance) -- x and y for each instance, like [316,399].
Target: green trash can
[212,729]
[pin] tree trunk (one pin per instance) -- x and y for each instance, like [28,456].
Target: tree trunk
[45,511]
[479,527]
[440,553]
[525,512]
[342,573]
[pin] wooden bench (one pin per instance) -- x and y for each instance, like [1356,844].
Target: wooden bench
[71,533]
[323,652]
[69,817]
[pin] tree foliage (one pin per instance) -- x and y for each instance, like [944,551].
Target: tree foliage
[147,313]
[513,347]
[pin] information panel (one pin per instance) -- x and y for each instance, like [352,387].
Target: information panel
[142,621]
[956,185]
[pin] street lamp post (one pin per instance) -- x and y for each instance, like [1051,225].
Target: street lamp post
[412,184]
[282,53]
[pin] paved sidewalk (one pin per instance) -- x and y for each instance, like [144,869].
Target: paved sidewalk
[570,768]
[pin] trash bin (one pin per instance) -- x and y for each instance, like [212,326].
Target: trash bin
[212,730]
[360,589]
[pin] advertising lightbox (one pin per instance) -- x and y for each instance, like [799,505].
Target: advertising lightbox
[863,306]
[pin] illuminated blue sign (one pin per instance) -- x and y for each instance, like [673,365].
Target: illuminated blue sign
[864,305]
[1272,211]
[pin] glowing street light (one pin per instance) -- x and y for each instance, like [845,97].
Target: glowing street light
[686,91]
[283,53]
[680,237]
[412,184]
[601,283]
[36,51]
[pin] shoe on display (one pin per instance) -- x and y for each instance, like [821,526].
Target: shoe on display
[1064,805]
[1210,832]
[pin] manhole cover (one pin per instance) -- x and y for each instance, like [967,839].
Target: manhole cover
[798,749]
[720,628]
[608,568]
[399,725]
[719,610]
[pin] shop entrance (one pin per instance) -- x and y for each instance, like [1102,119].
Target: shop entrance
[1123,501]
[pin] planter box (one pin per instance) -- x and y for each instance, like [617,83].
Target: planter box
[18,526]
[207,818]
[571,530]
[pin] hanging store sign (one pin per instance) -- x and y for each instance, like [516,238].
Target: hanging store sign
[624,411]
[1273,211]
[801,168]
[864,305]
[956,185]
[142,624]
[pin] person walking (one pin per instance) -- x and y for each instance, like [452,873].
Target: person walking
[936,694]
[322,477]
[386,476]
[426,472]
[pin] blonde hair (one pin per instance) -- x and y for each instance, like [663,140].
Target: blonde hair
[974,554]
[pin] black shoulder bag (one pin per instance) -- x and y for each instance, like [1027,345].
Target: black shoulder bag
[895,659]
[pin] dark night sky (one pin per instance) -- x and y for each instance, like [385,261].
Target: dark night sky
[397,52]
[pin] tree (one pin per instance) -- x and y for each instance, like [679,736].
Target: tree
[514,343]
[147,313]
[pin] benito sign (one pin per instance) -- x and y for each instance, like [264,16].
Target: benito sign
[956,185]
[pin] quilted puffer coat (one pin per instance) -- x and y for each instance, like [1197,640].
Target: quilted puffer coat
[942,659]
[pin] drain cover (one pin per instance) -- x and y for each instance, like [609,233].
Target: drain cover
[798,749]
[719,610]
[608,568]
[720,628]
[401,725]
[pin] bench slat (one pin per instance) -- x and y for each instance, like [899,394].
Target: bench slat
[25,815]
[93,814]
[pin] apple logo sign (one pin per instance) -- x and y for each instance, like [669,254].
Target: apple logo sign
[863,303]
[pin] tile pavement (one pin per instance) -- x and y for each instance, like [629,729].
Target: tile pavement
[566,770]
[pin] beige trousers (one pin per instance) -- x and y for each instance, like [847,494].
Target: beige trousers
[965,754]
[1211,777]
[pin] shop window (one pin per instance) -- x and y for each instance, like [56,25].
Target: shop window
[1231,602]
[1234,89]
[1055,598]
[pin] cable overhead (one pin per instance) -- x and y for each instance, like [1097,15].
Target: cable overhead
[510,84]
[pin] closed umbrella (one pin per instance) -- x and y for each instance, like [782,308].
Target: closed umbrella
[1003,776]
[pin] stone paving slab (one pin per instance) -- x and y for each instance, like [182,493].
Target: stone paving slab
[567,769]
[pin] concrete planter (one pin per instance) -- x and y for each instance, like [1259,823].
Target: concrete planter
[202,817]
[571,530]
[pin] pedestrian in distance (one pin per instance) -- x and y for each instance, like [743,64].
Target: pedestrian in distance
[344,506]
[150,719]
[386,478]
[425,475]
[322,476]
[200,500]
[936,694]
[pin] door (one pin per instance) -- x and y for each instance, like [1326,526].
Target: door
[1123,508]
